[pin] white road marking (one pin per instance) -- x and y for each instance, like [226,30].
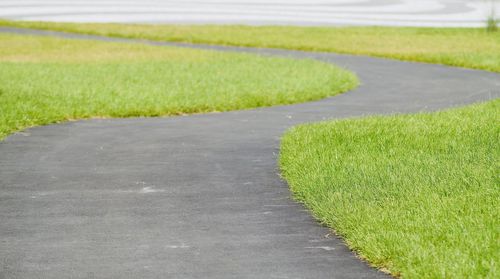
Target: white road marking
[326,248]
[150,189]
[182,246]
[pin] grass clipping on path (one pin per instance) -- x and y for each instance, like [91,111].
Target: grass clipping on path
[463,47]
[416,194]
[45,80]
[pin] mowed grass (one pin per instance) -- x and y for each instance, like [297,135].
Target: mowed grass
[416,194]
[45,80]
[463,47]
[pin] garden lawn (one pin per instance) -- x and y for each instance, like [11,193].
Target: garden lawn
[45,80]
[464,47]
[416,194]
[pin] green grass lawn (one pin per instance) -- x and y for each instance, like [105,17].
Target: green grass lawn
[464,47]
[45,80]
[416,194]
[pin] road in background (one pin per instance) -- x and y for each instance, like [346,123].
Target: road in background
[440,13]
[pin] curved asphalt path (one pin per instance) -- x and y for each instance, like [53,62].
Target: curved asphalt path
[195,196]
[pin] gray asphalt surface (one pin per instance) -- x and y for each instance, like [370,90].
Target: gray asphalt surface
[195,196]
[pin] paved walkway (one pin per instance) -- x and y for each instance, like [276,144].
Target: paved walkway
[472,13]
[195,196]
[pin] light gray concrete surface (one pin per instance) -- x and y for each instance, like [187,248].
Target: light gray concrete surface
[194,196]
[471,13]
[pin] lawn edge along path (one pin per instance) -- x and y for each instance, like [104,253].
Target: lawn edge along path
[220,164]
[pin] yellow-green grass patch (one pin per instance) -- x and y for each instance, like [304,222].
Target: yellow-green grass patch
[464,47]
[45,80]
